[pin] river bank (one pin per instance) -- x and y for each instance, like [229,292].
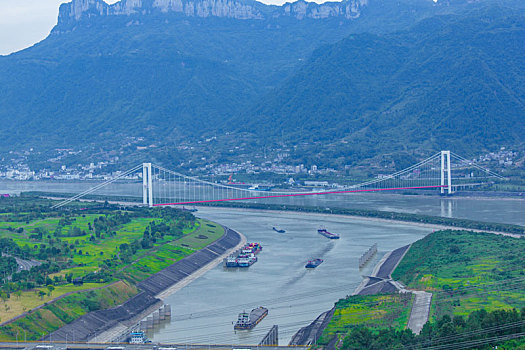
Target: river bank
[122,329]
[105,325]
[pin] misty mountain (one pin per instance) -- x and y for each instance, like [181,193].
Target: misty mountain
[169,70]
[455,81]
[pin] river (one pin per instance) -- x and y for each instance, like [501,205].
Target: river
[502,210]
[204,311]
[279,280]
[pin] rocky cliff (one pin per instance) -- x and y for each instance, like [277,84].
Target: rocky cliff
[238,9]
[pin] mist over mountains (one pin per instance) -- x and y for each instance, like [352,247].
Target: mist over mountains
[351,79]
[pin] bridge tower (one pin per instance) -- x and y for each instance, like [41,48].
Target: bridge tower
[147,185]
[446,174]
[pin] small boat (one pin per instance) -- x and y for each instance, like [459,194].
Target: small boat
[248,321]
[327,234]
[312,264]
[278,230]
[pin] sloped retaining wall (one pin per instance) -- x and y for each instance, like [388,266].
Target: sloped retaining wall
[88,326]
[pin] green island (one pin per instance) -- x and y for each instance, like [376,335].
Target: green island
[478,285]
[85,258]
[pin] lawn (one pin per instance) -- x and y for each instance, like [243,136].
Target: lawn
[55,315]
[27,300]
[375,311]
[466,271]
[168,253]
[207,233]
[91,251]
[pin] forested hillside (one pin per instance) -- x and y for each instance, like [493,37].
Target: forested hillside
[344,81]
[449,82]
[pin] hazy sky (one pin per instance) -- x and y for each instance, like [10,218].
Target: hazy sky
[26,22]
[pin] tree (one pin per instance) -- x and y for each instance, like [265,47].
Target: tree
[41,293]
[50,288]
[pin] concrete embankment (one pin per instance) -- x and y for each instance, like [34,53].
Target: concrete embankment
[310,334]
[379,282]
[104,325]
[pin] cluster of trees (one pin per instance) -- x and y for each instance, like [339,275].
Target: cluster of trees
[36,276]
[8,265]
[56,254]
[480,326]
[173,224]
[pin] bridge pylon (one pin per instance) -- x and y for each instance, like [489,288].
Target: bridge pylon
[446,173]
[147,185]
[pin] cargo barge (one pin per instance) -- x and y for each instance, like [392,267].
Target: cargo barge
[245,257]
[312,264]
[249,321]
[327,234]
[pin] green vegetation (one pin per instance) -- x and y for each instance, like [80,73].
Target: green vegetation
[165,255]
[90,256]
[480,330]
[334,91]
[52,316]
[389,94]
[89,244]
[374,311]
[477,281]
[466,271]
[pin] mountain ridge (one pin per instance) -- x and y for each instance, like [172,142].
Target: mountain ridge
[238,9]
[167,78]
[448,82]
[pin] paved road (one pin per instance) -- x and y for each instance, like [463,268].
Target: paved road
[24,264]
[420,311]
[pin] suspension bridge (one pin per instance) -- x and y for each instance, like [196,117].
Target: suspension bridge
[444,171]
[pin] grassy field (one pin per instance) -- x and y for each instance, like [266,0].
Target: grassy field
[466,271]
[80,248]
[170,252]
[207,233]
[28,300]
[109,248]
[55,315]
[91,252]
[374,311]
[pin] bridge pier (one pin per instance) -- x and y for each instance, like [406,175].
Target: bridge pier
[446,173]
[147,185]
